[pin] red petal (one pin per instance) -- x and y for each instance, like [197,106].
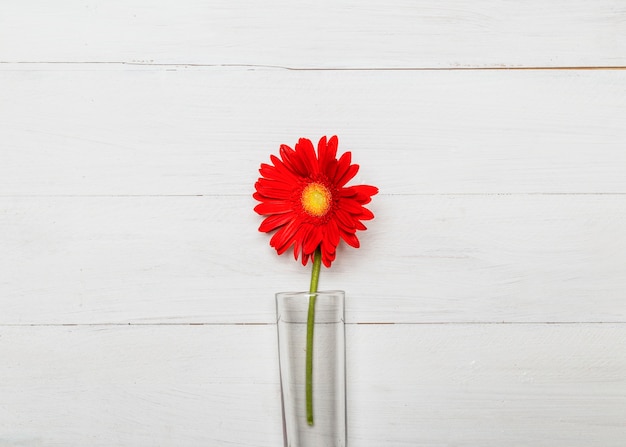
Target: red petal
[331,169]
[269,172]
[303,235]
[273,190]
[351,206]
[342,166]
[348,175]
[305,150]
[278,175]
[305,258]
[273,207]
[327,152]
[282,171]
[361,193]
[277,220]
[327,257]
[296,247]
[284,238]
[365,214]
[293,161]
[332,233]
[365,193]
[348,192]
[332,145]
[322,152]
[344,219]
[312,240]
[350,239]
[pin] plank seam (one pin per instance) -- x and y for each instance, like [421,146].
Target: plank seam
[444,194]
[434,323]
[290,68]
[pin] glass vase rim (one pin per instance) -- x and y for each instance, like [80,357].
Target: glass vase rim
[294,294]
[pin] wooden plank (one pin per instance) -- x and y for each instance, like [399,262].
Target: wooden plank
[463,385]
[374,33]
[191,131]
[140,386]
[488,385]
[521,258]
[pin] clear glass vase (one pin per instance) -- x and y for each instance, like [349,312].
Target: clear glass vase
[328,364]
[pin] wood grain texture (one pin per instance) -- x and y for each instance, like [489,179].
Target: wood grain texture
[140,386]
[136,296]
[147,131]
[337,34]
[489,385]
[523,258]
[435,385]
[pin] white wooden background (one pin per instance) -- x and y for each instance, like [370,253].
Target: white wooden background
[486,306]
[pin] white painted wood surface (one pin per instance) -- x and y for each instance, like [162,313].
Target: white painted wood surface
[454,384]
[317,34]
[486,305]
[489,258]
[160,131]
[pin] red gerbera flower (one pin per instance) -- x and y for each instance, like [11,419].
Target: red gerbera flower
[306,200]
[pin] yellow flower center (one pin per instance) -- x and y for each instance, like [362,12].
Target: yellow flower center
[316,199]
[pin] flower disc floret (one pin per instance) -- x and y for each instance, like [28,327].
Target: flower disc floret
[316,199]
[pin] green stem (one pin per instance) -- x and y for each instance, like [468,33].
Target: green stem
[315,276]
